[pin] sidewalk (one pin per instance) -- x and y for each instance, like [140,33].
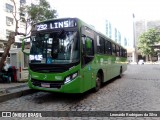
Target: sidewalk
[13,90]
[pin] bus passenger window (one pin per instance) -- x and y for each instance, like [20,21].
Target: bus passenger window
[100,45]
[126,53]
[108,49]
[113,49]
[89,46]
[88,50]
[117,51]
[121,52]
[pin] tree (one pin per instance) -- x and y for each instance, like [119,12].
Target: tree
[147,40]
[35,13]
[40,12]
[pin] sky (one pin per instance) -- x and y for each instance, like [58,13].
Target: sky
[118,12]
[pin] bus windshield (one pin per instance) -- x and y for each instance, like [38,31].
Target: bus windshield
[54,48]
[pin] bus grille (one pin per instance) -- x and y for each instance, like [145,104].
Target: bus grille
[51,84]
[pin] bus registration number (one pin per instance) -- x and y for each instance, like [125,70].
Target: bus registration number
[46,85]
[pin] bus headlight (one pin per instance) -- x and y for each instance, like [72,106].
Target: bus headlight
[70,77]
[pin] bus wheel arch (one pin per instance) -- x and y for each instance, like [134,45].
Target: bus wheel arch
[99,80]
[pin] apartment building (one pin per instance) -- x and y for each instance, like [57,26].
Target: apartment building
[112,32]
[8,22]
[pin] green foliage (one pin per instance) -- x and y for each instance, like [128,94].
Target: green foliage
[147,40]
[40,12]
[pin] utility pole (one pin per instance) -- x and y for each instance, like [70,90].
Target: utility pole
[134,53]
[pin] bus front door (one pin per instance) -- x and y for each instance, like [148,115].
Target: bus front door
[87,57]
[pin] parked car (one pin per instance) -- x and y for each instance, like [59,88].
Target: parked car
[141,62]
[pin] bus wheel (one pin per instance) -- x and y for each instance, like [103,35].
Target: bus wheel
[98,83]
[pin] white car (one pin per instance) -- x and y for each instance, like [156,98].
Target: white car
[141,62]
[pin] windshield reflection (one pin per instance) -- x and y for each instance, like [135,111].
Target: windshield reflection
[56,47]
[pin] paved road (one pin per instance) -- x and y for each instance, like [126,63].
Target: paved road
[137,90]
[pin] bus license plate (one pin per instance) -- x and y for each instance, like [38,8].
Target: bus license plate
[46,85]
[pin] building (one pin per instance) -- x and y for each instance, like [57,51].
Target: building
[8,23]
[112,32]
[142,26]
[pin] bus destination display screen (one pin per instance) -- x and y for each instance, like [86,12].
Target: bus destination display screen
[49,25]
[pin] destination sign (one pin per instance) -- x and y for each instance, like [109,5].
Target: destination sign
[55,24]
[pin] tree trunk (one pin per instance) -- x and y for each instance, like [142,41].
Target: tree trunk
[10,41]
[150,57]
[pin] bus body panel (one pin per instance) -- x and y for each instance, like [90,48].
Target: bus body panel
[72,87]
[75,86]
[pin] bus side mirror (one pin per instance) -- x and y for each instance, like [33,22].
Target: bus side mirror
[26,45]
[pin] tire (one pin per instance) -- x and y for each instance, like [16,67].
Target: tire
[98,83]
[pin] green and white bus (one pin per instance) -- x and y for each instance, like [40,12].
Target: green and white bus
[67,55]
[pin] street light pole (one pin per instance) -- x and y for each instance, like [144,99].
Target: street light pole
[134,55]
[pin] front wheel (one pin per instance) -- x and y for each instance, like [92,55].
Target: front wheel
[98,83]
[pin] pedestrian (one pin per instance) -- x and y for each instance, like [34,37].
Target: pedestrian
[6,66]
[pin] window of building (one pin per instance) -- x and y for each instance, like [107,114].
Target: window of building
[110,30]
[115,35]
[9,21]
[119,37]
[22,1]
[9,8]
[107,27]
[7,33]
[125,42]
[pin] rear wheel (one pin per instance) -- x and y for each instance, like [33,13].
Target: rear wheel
[98,83]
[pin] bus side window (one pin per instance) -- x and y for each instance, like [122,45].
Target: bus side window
[113,49]
[89,46]
[108,47]
[120,52]
[88,50]
[100,45]
[117,50]
[126,53]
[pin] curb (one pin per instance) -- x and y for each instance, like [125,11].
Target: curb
[12,93]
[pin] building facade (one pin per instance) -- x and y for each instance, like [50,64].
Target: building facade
[112,32]
[8,23]
[141,27]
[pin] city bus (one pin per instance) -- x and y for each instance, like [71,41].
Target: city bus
[69,56]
